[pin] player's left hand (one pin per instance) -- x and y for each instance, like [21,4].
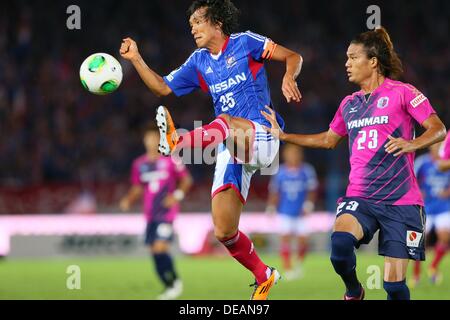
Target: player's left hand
[399,146]
[290,90]
[169,201]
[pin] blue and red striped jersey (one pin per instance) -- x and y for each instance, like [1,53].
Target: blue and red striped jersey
[235,78]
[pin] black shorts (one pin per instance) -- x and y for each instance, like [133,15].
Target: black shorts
[402,228]
[158,231]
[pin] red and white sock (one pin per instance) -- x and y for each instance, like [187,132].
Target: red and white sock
[440,251]
[241,248]
[208,135]
[285,253]
[302,252]
[416,270]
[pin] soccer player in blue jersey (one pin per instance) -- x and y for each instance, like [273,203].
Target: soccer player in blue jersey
[435,186]
[292,195]
[230,67]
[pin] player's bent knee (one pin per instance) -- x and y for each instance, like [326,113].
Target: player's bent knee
[227,118]
[344,223]
[159,247]
[342,243]
[348,223]
[223,234]
[443,237]
[342,252]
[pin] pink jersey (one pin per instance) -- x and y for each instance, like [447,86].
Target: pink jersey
[392,110]
[159,178]
[444,151]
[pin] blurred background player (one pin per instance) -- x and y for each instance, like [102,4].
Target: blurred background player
[292,196]
[230,67]
[444,154]
[435,187]
[163,183]
[383,193]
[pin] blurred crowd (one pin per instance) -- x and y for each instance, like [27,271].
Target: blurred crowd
[52,131]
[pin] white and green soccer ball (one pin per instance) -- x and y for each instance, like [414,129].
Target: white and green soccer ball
[101,73]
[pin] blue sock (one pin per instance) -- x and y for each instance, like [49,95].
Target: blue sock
[397,290]
[164,268]
[344,261]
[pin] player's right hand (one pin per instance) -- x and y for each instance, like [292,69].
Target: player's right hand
[128,49]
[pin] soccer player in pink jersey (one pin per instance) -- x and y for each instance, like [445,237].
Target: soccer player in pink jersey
[444,153]
[383,193]
[230,67]
[163,183]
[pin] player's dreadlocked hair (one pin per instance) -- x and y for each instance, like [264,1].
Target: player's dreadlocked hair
[218,11]
[378,44]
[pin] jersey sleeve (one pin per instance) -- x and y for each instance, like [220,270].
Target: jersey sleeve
[134,177]
[260,47]
[311,178]
[417,104]
[338,123]
[184,79]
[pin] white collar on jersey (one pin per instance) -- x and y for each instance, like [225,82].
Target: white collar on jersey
[225,45]
[216,56]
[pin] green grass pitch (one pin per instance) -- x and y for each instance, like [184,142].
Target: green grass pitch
[205,278]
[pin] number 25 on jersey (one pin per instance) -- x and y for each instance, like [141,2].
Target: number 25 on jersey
[227,101]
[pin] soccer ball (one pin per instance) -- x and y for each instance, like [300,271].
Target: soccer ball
[101,73]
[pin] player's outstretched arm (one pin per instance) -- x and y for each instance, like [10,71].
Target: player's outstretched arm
[183,187]
[294,63]
[272,202]
[133,194]
[129,51]
[185,184]
[434,132]
[325,140]
[311,198]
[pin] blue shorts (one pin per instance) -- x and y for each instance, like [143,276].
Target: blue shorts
[402,228]
[231,172]
[158,231]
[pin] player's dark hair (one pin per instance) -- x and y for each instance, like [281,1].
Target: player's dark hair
[378,44]
[218,12]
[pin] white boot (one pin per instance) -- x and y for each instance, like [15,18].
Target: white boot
[172,292]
